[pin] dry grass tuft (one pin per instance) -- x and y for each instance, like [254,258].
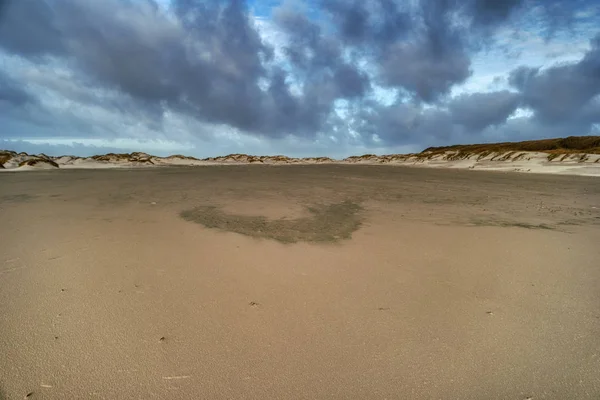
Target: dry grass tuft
[4,158]
[35,161]
[507,156]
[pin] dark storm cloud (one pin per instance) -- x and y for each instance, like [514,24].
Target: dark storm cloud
[425,69]
[377,22]
[209,65]
[351,17]
[28,27]
[415,49]
[477,111]
[350,82]
[530,129]
[401,123]
[422,50]
[429,53]
[426,48]
[488,13]
[416,54]
[11,92]
[565,100]
[319,57]
[562,92]
[209,68]
[319,66]
[206,60]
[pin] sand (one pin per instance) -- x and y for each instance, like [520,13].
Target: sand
[418,284]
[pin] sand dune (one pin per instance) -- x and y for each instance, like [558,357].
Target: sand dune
[569,156]
[533,162]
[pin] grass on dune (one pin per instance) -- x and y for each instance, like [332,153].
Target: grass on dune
[568,145]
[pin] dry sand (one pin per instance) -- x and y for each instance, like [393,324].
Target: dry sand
[402,283]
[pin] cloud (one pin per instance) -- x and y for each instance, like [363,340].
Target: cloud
[205,62]
[560,93]
[477,111]
[86,148]
[423,49]
[11,93]
[28,28]
[367,73]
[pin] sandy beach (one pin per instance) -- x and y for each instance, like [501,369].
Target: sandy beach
[299,282]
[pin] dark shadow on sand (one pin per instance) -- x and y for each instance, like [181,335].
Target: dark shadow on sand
[327,223]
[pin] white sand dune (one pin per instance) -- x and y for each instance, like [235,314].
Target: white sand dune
[533,162]
[568,163]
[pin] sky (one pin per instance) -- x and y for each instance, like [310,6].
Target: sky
[296,77]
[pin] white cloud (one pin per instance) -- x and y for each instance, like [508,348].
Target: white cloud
[126,144]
